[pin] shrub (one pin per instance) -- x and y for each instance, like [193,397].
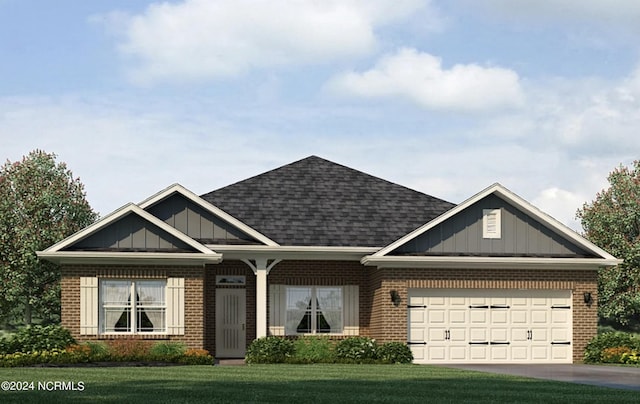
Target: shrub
[395,352]
[128,350]
[269,350]
[196,357]
[594,351]
[37,338]
[167,350]
[99,351]
[356,350]
[615,354]
[312,349]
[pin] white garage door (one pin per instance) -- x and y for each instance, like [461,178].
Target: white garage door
[490,326]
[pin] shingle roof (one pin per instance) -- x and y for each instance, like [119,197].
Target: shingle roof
[315,202]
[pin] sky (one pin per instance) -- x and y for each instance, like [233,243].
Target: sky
[445,97]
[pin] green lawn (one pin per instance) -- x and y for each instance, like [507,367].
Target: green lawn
[298,383]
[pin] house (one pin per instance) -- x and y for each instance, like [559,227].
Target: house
[315,247]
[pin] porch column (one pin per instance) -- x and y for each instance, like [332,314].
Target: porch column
[261,267]
[261,298]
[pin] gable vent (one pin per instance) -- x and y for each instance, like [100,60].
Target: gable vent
[491,223]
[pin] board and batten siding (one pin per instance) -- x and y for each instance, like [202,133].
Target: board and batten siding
[521,235]
[132,232]
[195,221]
[350,309]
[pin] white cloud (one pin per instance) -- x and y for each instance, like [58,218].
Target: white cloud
[203,39]
[421,78]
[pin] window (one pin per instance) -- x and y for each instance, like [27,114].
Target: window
[133,307]
[313,310]
[491,223]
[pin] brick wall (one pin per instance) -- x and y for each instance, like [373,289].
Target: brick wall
[379,318]
[194,302]
[326,273]
[389,323]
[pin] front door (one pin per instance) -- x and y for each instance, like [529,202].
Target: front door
[231,334]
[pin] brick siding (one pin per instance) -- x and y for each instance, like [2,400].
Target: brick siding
[389,323]
[379,318]
[194,302]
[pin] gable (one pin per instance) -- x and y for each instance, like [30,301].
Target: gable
[198,223]
[131,232]
[519,235]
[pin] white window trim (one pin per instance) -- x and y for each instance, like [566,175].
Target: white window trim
[492,223]
[314,308]
[133,308]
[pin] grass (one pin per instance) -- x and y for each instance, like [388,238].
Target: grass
[299,383]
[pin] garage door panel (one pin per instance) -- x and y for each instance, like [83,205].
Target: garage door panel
[499,352]
[520,353]
[519,334]
[417,316]
[559,335]
[436,317]
[519,316]
[457,316]
[499,317]
[539,316]
[478,334]
[458,352]
[479,352]
[437,353]
[540,352]
[437,334]
[491,325]
[479,316]
[559,316]
[460,301]
[417,334]
[419,353]
[458,335]
[560,352]
[539,334]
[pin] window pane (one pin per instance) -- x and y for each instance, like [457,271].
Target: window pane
[115,313]
[329,310]
[298,311]
[150,293]
[150,314]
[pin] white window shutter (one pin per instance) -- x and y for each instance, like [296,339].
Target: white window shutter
[175,306]
[88,306]
[351,310]
[277,306]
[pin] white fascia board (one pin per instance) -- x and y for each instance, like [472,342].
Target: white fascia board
[293,252]
[177,188]
[488,262]
[92,228]
[517,201]
[118,258]
[118,214]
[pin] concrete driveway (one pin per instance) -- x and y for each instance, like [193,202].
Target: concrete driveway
[607,376]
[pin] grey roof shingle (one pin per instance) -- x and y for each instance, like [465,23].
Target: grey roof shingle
[315,202]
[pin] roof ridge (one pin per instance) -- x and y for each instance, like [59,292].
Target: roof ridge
[315,157]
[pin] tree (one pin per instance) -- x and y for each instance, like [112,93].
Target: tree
[612,221]
[40,204]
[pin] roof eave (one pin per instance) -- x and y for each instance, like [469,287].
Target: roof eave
[120,258]
[440,262]
[330,253]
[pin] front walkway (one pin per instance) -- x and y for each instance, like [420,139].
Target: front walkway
[619,377]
